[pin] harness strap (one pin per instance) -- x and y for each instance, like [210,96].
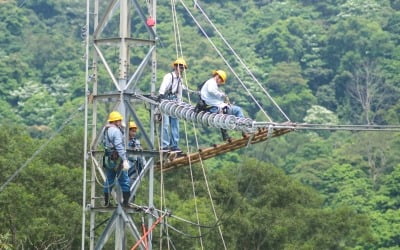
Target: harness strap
[169,92]
[109,140]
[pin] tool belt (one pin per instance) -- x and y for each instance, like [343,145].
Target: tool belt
[171,96]
[201,106]
[111,160]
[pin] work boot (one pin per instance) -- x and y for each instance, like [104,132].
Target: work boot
[175,150]
[180,154]
[107,200]
[166,149]
[225,136]
[125,196]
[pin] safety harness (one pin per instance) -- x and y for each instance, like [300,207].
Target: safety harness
[111,159]
[136,161]
[201,104]
[169,94]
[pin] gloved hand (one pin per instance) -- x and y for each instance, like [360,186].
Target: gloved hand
[158,117]
[226,99]
[125,165]
[160,97]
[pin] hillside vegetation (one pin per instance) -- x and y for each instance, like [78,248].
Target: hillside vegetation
[333,61]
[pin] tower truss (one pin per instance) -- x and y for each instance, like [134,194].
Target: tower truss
[120,54]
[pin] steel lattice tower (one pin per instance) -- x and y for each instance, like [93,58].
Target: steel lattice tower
[111,84]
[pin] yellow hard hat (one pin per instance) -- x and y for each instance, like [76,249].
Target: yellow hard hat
[115,116]
[221,73]
[132,125]
[180,61]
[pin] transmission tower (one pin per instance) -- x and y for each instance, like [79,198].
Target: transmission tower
[112,84]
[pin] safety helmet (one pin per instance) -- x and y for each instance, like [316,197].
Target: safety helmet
[132,125]
[115,116]
[221,73]
[180,61]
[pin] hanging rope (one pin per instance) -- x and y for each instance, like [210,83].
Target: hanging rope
[180,51]
[176,37]
[162,186]
[179,44]
[192,182]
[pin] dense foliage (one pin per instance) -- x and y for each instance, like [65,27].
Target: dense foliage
[332,61]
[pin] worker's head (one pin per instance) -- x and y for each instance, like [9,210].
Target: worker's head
[179,65]
[115,117]
[220,76]
[132,129]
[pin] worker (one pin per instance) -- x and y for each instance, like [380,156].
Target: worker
[171,89]
[136,162]
[216,100]
[115,160]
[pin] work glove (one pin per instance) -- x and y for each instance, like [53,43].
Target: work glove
[226,99]
[157,115]
[125,165]
[160,97]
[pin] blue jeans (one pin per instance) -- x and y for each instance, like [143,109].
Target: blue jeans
[232,110]
[123,180]
[170,140]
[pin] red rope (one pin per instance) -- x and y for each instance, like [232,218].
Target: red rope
[144,232]
[151,229]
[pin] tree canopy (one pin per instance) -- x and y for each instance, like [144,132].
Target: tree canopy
[323,62]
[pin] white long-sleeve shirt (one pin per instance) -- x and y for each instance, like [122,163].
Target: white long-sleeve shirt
[171,84]
[211,94]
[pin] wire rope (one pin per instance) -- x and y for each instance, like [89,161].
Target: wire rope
[189,222]
[226,62]
[21,4]
[173,13]
[309,126]
[182,219]
[241,61]
[43,146]
[174,228]
[349,127]
[183,233]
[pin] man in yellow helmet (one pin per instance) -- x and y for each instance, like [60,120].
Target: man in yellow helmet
[136,162]
[171,89]
[216,99]
[115,161]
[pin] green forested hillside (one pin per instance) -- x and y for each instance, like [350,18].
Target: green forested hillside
[333,61]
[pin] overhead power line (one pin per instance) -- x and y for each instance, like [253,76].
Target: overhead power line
[307,126]
[40,149]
